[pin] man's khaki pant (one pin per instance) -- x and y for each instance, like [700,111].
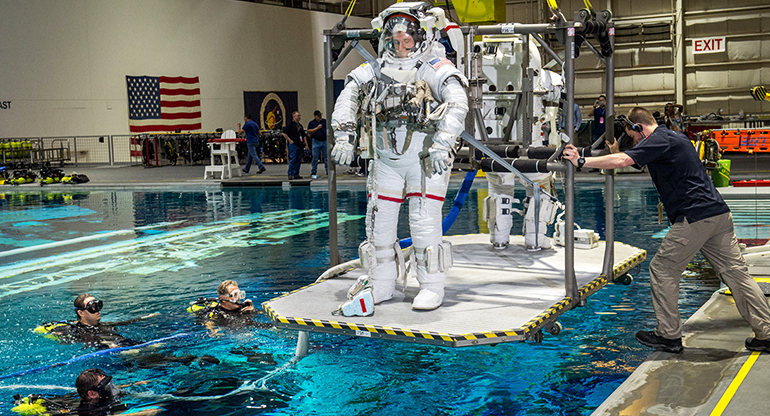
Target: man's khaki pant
[715,238]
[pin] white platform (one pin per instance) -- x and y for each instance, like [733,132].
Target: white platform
[491,296]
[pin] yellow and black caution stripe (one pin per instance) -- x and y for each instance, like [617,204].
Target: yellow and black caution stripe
[548,315]
[630,263]
[453,340]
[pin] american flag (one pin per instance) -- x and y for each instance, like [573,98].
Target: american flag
[163,103]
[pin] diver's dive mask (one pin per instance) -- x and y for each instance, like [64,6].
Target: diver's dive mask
[237,295]
[107,390]
[93,306]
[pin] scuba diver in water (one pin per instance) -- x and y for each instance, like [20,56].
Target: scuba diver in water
[88,328]
[230,309]
[98,396]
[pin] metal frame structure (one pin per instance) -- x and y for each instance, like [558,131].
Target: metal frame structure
[564,31]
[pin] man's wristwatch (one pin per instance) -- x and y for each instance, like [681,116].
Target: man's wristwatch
[581,162]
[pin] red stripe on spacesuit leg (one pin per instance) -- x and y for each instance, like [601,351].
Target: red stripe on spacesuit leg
[387,198]
[437,198]
[363,305]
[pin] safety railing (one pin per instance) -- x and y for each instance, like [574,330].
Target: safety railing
[156,149]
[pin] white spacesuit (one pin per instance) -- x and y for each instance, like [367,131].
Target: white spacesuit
[502,65]
[412,103]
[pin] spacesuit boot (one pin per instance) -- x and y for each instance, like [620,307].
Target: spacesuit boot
[388,260]
[383,282]
[498,210]
[532,240]
[535,241]
[431,293]
[497,213]
[432,255]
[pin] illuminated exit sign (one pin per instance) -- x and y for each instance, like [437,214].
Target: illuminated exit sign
[708,45]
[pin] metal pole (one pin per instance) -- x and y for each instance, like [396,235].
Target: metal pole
[111,150]
[472,72]
[548,49]
[303,343]
[570,281]
[678,52]
[334,253]
[527,83]
[511,28]
[609,178]
[75,145]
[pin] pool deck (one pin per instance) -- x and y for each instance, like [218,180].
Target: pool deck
[125,176]
[715,375]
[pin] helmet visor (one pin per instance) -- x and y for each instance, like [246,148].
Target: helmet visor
[400,36]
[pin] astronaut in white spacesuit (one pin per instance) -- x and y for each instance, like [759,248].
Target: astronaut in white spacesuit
[411,104]
[501,64]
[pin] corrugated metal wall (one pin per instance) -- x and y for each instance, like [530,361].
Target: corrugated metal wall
[648,57]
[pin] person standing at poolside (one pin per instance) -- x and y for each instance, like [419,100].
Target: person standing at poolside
[251,128]
[317,130]
[700,220]
[600,110]
[295,135]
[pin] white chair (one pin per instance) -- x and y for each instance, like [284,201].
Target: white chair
[228,156]
[213,170]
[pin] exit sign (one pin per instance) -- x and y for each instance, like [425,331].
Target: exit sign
[708,45]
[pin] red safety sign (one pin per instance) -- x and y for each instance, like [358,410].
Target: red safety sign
[708,45]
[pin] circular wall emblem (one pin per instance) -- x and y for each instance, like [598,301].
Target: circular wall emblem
[272,113]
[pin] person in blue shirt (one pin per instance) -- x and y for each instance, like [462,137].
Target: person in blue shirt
[700,221]
[578,118]
[251,128]
[600,111]
[317,130]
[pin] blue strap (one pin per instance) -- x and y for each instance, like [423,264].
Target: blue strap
[462,194]
[89,355]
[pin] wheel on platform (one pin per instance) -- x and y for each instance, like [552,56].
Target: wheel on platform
[625,279]
[554,328]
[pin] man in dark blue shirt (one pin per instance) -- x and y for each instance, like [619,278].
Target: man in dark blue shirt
[251,128]
[700,220]
[317,129]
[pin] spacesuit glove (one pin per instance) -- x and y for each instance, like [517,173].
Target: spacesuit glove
[441,158]
[342,152]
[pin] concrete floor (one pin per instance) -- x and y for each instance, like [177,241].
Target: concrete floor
[743,166]
[715,375]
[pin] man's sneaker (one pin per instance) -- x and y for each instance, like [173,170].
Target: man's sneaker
[314,176]
[650,339]
[262,170]
[753,344]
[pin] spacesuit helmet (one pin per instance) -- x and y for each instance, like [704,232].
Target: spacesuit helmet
[407,30]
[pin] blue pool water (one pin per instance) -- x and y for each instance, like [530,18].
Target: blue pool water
[144,252]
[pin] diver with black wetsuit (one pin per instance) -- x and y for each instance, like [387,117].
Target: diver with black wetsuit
[89,329]
[231,309]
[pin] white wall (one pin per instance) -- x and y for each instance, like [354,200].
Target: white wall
[64,63]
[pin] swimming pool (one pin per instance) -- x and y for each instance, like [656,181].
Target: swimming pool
[144,251]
